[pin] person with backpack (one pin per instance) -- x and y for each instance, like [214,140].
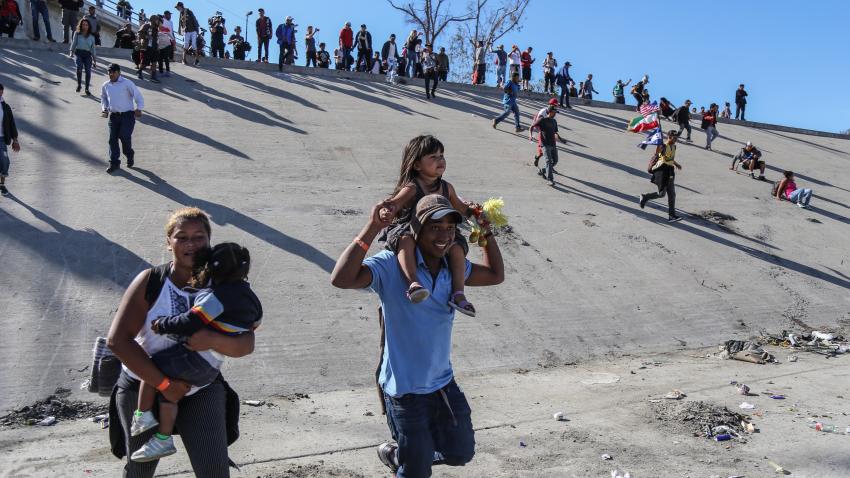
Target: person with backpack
[709,125]
[563,80]
[619,96]
[637,91]
[787,189]
[427,413]
[208,417]
[662,167]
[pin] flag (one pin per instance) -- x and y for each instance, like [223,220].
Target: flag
[644,123]
[647,109]
[654,138]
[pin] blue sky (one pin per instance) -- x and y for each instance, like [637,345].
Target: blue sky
[792,56]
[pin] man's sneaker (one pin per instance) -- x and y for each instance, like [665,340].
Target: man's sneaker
[387,455]
[542,173]
[801,205]
[551,183]
[4,191]
[752,176]
[494,124]
[130,162]
[112,168]
[642,200]
[674,218]
[762,178]
[154,449]
[518,130]
[536,160]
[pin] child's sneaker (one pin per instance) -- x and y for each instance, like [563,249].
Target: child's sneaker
[142,423]
[154,449]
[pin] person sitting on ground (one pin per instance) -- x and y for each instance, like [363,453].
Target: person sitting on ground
[750,158]
[787,189]
[422,169]
[227,306]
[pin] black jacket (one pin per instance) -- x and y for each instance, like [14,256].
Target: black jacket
[740,97]
[10,131]
[385,51]
[73,5]
[682,115]
[368,38]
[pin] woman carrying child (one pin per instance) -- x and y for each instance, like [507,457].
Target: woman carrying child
[202,418]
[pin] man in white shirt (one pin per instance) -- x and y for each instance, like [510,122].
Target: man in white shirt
[122,102]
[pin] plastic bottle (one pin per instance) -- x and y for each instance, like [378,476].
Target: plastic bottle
[823,427]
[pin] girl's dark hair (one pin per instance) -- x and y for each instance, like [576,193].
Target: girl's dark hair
[788,174]
[226,262]
[80,26]
[416,149]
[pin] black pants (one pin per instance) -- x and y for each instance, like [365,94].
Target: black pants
[482,72]
[685,126]
[739,108]
[549,83]
[638,98]
[286,53]
[165,58]
[429,77]
[121,130]
[620,100]
[443,75]
[668,190]
[311,57]
[217,46]
[261,42]
[564,99]
[361,55]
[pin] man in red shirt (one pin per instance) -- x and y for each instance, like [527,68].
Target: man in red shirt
[346,42]
[525,61]
[264,35]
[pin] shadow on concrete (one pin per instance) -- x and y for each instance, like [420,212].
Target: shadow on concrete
[361,95]
[85,253]
[64,144]
[223,215]
[824,212]
[808,143]
[756,253]
[265,87]
[169,126]
[806,178]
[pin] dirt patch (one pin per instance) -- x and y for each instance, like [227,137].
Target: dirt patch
[811,219]
[589,223]
[720,219]
[695,418]
[313,471]
[643,240]
[344,212]
[56,405]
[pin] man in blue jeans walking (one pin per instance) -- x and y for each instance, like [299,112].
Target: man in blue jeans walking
[509,102]
[122,102]
[39,7]
[427,413]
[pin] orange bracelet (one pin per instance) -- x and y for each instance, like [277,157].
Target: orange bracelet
[166,382]
[362,244]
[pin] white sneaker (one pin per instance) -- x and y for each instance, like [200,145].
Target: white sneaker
[154,449]
[142,423]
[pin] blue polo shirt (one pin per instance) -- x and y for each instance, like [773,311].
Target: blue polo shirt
[418,342]
[509,99]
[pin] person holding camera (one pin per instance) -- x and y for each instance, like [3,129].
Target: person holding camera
[217,32]
[240,46]
[310,43]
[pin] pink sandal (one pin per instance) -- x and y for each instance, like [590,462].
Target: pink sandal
[464,307]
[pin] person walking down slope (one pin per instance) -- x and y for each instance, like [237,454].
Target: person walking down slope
[709,125]
[509,103]
[8,137]
[10,17]
[740,102]
[683,118]
[83,50]
[548,135]
[663,168]
[563,80]
[122,102]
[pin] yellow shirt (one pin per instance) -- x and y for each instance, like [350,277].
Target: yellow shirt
[666,157]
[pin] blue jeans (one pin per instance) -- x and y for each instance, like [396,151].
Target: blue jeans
[710,134]
[40,7]
[551,154]
[83,60]
[410,69]
[121,128]
[500,74]
[508,109]
[4,159]
[801,196]
[428,431]
[346,53]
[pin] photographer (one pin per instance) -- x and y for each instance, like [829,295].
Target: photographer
[240,46]
[217,32]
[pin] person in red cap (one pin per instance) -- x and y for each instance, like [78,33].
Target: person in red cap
[541,114]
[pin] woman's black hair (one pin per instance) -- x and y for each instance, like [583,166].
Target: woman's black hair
[225,262]
[788,174]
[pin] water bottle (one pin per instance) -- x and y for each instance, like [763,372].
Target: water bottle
[822,427]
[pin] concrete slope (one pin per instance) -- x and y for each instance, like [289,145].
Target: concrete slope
[288,166]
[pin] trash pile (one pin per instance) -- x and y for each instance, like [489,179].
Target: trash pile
[702,419]
[54,408]
[745,351]
[823,343]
